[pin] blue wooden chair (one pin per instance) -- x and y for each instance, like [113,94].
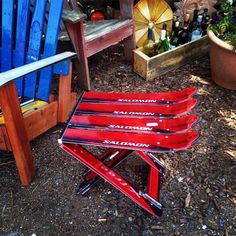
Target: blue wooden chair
[27,107]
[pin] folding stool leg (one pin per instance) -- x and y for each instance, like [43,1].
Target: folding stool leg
[152,161]
[156,170]
[154,183]
[107,153]
[113,159]
[141,198]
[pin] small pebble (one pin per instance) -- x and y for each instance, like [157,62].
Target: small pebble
[156,227]
[123,226]
[102,220]
[204,227]
[147,233]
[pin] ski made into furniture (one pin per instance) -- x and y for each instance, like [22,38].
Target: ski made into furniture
[144,124]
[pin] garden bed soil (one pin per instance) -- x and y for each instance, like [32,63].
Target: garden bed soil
[198,193]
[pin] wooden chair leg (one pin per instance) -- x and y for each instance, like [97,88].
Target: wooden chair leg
[129,46]
[84,77]
[14,122]
[127,12]
[76,33]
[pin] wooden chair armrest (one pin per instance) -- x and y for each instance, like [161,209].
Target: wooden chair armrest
[15,73]
[73,16]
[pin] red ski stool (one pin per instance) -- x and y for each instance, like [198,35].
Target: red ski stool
[126,123]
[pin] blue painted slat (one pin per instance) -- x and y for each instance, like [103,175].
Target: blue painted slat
[35,39]
[23,10]
[62,68]
[7,34]
[51,39]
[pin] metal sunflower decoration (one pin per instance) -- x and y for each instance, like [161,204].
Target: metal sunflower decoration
[151,13]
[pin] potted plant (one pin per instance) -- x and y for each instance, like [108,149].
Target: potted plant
[222,35]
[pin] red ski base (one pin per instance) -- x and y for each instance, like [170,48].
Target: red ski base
[126,123]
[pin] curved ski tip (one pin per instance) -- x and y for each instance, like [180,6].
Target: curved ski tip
[193,136]
[192,103]
[192,119]
[192,90]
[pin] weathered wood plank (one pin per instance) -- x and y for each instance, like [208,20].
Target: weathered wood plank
[72,16]
[108,39]
[105,29]
[94,27]
[150,68]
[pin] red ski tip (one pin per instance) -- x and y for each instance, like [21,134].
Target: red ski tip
[140,98]
[134,124]
[192,137]
[140,110]
[192,120]
[191,91]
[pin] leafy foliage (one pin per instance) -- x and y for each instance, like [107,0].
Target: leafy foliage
[223,23]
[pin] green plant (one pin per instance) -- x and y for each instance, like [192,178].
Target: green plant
[223,22]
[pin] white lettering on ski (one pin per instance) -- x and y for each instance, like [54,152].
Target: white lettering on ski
[130,127]
[126,143]
[126,186]
[134,113]
[138,100]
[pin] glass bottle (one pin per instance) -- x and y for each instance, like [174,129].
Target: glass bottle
[194,20]
[195,15]
[205,21]
[184,33]
[174,36]
[149,43]
[197,31]
[163,44]
[183,36]
[186,21]
[175,19]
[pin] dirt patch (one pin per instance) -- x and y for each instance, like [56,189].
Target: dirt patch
[198,193]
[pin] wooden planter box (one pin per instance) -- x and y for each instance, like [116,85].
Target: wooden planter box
[152,67]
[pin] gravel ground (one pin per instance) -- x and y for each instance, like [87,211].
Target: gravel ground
[198,193]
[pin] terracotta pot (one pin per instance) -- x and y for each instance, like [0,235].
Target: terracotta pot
[223,62]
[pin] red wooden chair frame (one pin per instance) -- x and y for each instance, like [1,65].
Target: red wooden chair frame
[92,37]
